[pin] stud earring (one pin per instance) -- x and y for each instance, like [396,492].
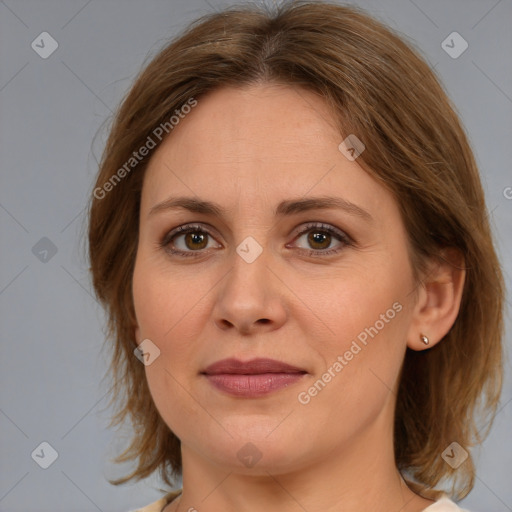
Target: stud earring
[424,339]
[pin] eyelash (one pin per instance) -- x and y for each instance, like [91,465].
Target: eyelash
[323,228]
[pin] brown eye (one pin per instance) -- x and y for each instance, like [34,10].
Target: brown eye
[195,240]
[186,241]
[319,238]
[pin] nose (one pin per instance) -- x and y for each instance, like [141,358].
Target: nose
[251,298]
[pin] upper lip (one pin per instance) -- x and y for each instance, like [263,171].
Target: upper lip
[252,367]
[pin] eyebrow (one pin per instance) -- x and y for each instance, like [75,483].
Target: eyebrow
[285,208]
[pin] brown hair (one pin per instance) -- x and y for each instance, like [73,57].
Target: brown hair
[380,89]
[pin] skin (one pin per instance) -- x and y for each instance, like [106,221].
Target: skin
[247,149]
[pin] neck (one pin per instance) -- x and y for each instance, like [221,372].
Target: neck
[354,477]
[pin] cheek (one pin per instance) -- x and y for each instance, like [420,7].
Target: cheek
[357,302]
[165,315]
[164,302]
[170,313]
[365,317]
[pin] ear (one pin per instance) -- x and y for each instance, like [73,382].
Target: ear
[438,299]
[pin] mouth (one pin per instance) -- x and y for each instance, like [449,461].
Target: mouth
[251,379]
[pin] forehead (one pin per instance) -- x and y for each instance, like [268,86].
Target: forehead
[253,143]
[265,121]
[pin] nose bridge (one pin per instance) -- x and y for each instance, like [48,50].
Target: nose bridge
[249,293]
[249,278]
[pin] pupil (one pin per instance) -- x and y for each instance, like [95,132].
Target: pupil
[196,238]
[318,238]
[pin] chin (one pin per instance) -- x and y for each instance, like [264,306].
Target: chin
[255,449]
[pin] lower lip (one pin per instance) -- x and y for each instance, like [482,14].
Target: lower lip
[250,386]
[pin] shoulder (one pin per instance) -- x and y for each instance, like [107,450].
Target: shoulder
[444,504]
[158,505]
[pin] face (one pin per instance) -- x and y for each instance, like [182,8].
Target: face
[269,274]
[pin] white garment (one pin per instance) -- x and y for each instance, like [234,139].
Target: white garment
[444,504]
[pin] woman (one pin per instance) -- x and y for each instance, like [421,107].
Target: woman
[289,234]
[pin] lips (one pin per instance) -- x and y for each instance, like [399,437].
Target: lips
[251,379]
[253,367]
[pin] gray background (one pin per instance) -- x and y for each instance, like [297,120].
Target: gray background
[51,326]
